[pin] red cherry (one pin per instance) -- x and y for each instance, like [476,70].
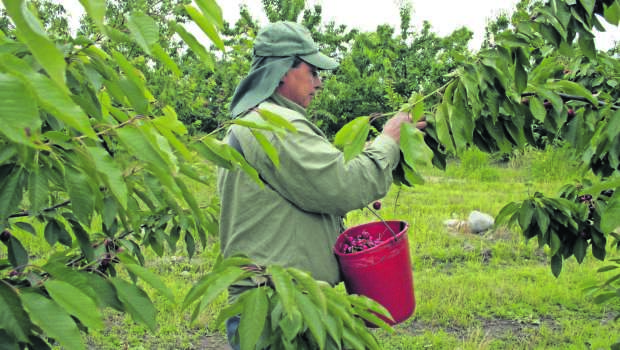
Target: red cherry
[376,205]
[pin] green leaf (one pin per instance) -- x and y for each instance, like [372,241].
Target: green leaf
[362,303]
[163,57]
[276,119]
[212,11]
[96,11]
[207,26]
[9,342]
[253,318]
[80,193]
[269,149]
[196,47]
[13,318]
[111,173]
[442,126]
[140,145]
[588,5]
[75,302]
[231,310]
[30,32]
[461,125]
[56,101]
[190,244]
[83,240]
[352,137]
[520,77]
[610,218]
[213,284]
[612,13]
[555,243]
[38,190]
[291,327]
[416,152]
[538,109]
[151,278]
[412,177]
[8,151]
[526,213]
[283,286]
[339,307]
[312,317]
[19,115]
[573,88]
[11,192]
[214,151]
[18,256]
[417,101]
[131,72]
[352,339]
[105,292]
[53,320]
[245,166]
[334,327]
[556,264]
[190,199]
[26,227]
[254,124]
[132,92]
[542,219]
[579,249]
[55,232]
[587,45]
[219,283]
[169,124]
[309,285]
[507,213]
[136,302]
[143,30]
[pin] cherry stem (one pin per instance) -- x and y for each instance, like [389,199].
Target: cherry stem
[383,221]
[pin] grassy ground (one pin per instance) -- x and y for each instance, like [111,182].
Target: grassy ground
[473,291]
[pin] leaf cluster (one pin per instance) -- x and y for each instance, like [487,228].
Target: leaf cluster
[288,309]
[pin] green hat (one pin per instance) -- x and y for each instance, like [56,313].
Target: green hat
[290,39]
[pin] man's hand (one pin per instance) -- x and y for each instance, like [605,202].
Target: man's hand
[392,126]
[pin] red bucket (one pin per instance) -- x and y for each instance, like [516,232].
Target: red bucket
[383,272]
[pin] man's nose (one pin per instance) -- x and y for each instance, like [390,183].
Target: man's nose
[318,83]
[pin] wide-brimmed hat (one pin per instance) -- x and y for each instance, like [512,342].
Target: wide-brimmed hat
[290,39]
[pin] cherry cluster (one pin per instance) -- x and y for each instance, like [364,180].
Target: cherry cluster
[587,199]
[358,243]
[590,201]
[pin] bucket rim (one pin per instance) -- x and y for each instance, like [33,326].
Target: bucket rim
[404,227]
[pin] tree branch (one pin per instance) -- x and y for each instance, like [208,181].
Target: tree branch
[27,213]
[566,97]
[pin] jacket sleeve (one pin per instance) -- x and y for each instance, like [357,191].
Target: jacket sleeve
[314,175]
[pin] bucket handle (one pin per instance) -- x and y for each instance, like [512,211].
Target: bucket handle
[384,222]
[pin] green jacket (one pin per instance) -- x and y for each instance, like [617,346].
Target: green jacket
[295,219]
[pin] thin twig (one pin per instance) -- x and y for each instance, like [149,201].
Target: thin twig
[27,213]
[567,97]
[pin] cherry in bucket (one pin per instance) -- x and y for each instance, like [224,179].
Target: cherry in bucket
[358,243]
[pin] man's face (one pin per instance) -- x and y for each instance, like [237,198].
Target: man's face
[300,84]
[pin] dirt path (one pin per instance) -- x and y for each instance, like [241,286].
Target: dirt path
[214,342]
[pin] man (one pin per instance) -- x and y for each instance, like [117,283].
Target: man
[295,218]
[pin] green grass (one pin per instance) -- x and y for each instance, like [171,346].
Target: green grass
[487,291]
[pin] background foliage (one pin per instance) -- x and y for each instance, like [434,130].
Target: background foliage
[104,130]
